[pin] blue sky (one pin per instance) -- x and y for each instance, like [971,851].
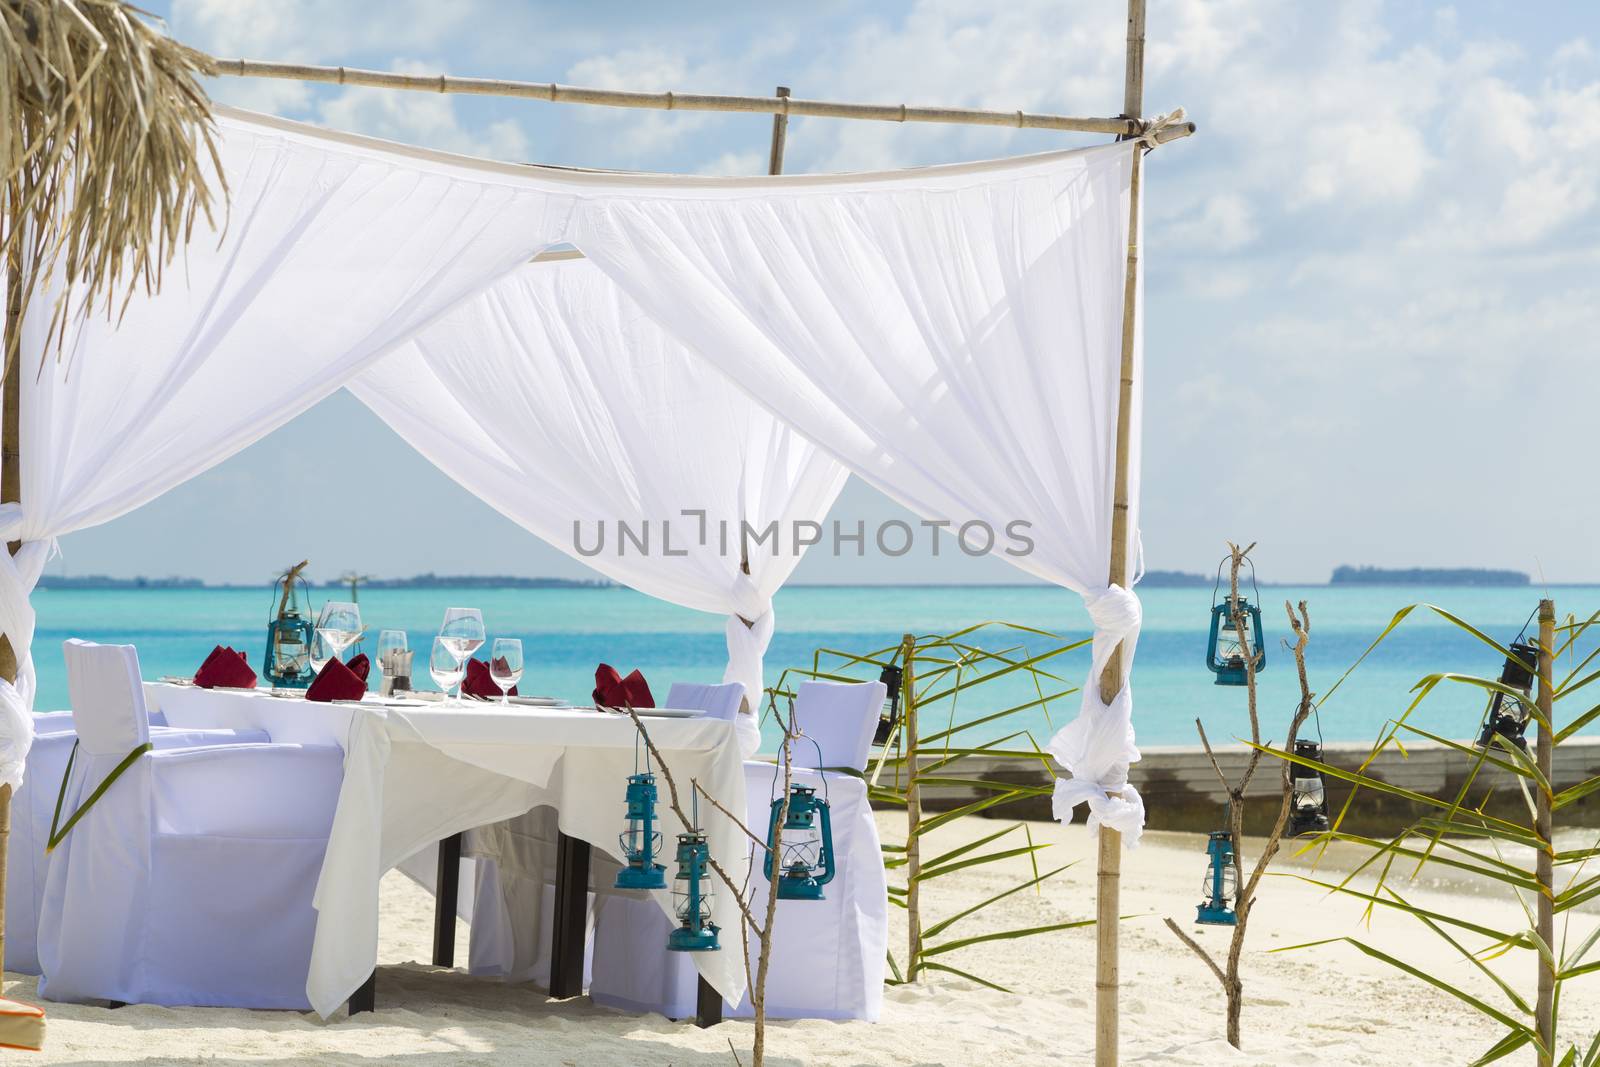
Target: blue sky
[1373,318]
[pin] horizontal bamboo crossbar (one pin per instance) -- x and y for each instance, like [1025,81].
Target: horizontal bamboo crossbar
[670,101]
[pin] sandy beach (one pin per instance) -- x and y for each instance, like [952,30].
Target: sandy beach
[1329,1005]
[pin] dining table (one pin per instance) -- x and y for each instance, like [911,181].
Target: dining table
[418,772]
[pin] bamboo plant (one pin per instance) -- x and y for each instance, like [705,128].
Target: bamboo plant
[939,673]
[1507,847]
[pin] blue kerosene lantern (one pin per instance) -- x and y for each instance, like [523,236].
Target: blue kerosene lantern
[806,845]
[287,661]
[1225,653]
[641,841]
[691,897]
[1221,882]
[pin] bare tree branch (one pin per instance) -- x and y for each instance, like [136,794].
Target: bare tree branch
[1198,951]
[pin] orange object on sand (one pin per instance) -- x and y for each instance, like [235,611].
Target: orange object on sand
[21,1025]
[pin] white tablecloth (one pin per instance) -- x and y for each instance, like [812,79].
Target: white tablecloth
[414,775]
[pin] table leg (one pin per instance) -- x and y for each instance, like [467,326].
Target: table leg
[569,934]
[707,1005]
[446,889]
[365,998]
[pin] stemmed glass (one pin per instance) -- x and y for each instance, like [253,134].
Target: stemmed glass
[462,632]
[505,665]
[445,666]
[319,652]
[339,625]
[392,646]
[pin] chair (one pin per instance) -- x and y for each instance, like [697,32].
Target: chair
[33,804]
[828,956]
[190,881]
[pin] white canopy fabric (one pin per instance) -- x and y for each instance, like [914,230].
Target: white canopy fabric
[950,333]
[555,399]
[953,336]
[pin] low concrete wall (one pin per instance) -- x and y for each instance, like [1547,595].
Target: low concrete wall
[1181,791]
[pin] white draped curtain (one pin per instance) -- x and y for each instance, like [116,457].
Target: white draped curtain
[331,250]
[952,334]
[555,399]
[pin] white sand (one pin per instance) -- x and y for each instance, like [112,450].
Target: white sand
[1323,1006]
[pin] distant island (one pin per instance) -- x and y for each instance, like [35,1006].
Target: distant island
[1174,580]
[419,581]
[473,581]
[1348,575]
[105,581]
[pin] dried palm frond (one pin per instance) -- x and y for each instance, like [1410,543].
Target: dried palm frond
[106,151]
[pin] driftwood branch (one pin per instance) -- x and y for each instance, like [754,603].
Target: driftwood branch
[750,925]
[1244,900]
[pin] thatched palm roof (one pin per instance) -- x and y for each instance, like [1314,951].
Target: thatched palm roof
[105,139]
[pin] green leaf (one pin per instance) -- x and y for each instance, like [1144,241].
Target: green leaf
[962,850]
[1004,935]
[1503,1048]
[1575,793]
[974,861]
[1467,998]
[1410,909]
[934,965]
[944,924]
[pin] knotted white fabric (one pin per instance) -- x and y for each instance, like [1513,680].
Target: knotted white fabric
[555,399]
[18,575]
[1097,747]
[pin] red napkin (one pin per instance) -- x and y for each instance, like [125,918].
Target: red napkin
[336,682]
[361,666]
[611,690]
[225,667]
[480,682]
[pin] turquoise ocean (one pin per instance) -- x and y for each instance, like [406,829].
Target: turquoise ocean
[566,632]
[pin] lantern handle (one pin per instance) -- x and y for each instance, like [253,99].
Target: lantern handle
[1254,588]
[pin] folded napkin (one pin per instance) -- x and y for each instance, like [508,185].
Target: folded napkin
[225,667]
[480,682]
[336,681]
[361,666]
[611,690]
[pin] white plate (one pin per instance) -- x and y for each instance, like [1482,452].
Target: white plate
[540,702]
[172,679]
[669,713]
[235,689]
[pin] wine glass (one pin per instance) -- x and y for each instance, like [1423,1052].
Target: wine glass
[445,666]
[319,652]
[505,665]
[463,630]
[340,625]
[392,645]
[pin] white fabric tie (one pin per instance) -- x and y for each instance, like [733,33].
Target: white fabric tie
[1098,746]
[1160,124]
[747,648]
[18,575]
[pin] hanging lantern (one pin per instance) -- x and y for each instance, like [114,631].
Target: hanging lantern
[1221,882]
[1308,806]
[641,841]
[1226,648]
[1225,653]
[287,661]
[691,897]
[1508,715]
[806,845]
[889,717]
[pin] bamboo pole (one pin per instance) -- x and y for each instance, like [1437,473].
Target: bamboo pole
[10,493]
[555,93]
[1108,881]
[780,134]
[1544,754]
[908,723]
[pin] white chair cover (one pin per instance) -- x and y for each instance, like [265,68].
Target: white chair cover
[721,702]
[828,956]
[213,852]
[838,720]
[34,803]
